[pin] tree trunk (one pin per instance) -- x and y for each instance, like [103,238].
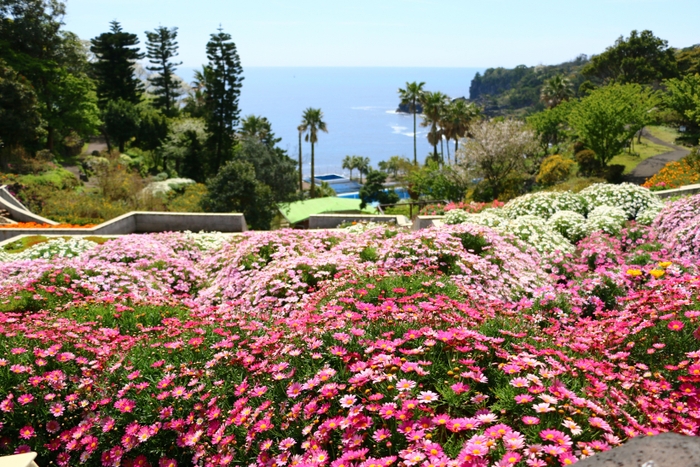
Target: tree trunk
[415,147]
[442,151]
[456,147]
[313,172]
[301,176]
[448,151]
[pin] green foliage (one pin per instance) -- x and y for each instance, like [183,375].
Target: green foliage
[608,118]
[186,146]
[254,182]
[683,97]
[688,60]
[115,53]
[501,91]
[53,62]
[551,125]
[556,90]
[187,198]
[235,189]
[152,127]
[161,47]
[641,58]
[457,119]
[587,162]
[121,121]
[19,111]
[554,169]
[396,166]
[260,128]
[434,182]
[434,105]
[223,81]
[373,190]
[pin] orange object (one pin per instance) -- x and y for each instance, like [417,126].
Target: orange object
[35,225]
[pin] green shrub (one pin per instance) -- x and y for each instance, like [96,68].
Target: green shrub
[613,173]
[187,198]
[587,162]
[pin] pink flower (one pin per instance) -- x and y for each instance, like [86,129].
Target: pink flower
[348,401]
[524,398]
[676,325]
[25,399]
[26,432]
[125,405]
[529,420]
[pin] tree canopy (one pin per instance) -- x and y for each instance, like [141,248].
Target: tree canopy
[640,58]
[607,119]
[116,52]
[161,49]
[223,81]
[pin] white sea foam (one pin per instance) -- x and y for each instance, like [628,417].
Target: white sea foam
[398,129]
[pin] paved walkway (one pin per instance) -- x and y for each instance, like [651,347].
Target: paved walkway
[651,166]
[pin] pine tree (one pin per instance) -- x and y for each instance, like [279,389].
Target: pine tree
[115,54]
[223,88]
[162,47]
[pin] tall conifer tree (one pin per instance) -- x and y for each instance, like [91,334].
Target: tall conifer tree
[223,88]
[116,52]
[161,48]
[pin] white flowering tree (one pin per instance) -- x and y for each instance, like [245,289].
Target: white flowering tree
[497,150]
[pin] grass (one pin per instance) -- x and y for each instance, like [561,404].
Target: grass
[24,243]
[664,133]
[642,151]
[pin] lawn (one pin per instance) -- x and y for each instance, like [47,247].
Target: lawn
[664,133]
[642,151]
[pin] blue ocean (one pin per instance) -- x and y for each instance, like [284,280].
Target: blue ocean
[358,104]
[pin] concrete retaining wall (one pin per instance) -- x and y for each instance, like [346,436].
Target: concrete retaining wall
[331,221]
[423,222]
[142,222]
[9,197]
[684,190]
[17,211]
[195,222]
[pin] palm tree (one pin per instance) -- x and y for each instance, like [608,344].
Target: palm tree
[253,126]
[311,123]
[457,119]
[434,104]
[301,177]
[556,90]
[362,165]
[411,96]
[349,164]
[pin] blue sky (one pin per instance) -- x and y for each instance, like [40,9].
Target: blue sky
[430,33]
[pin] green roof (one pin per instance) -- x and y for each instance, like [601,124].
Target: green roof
[302,210]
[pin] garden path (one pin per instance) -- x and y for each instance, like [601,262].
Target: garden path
[651,166]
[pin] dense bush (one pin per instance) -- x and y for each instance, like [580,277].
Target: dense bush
[587,162]
[554,169]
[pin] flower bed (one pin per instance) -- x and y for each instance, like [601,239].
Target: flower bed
[376,346]
[674,174]
[471,206]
